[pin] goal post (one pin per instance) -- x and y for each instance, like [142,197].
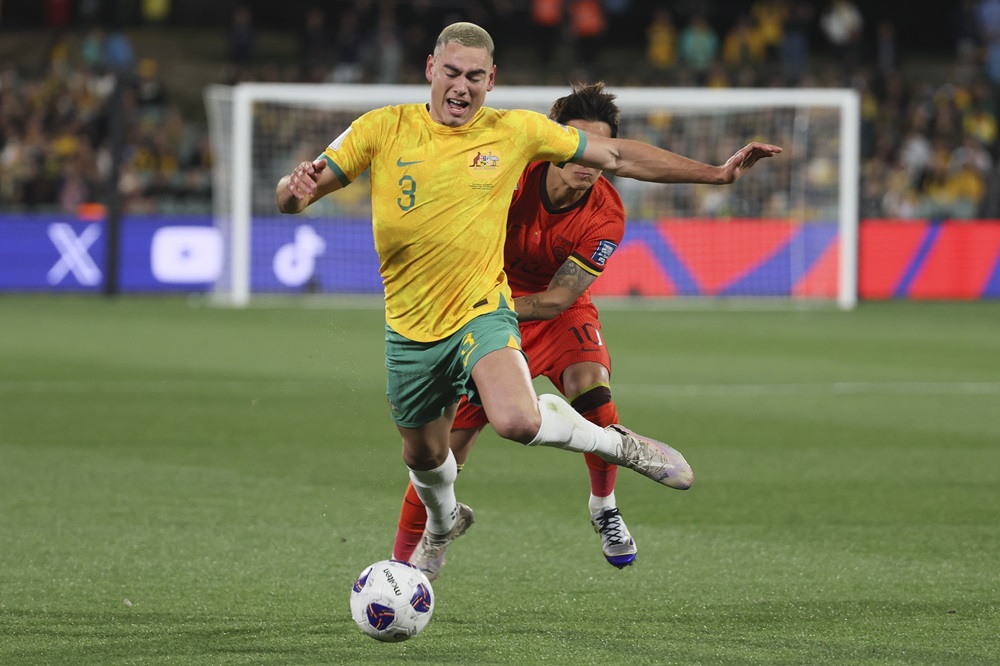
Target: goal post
[786,231]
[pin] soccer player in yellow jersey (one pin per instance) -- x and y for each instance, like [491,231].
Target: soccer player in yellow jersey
[442,176]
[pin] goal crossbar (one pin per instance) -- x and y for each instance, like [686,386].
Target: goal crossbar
[238,132]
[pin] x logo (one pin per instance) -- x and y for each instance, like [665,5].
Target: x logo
[73,254]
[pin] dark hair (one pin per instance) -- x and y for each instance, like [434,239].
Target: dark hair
[587,102]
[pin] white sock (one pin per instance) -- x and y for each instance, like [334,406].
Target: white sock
[600,504]
[564,428]
[436,489]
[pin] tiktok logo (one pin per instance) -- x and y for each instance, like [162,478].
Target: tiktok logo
[295,262]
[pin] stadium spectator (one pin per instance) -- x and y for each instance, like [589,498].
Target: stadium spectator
[988,17]
[58,13]
[150,92]
[945,124]
[92,48]
[886,51]
[973,153]
[547,20]
[118,52]
[661,41]
[968,38]
[869,113]
[768,20]
[979,118]
[915,150]
[951,191]
[795,49]
[79,181]
[242,38]
[155,12]
[991,62]
[621,24]
[107,48]
[587,26]
[744,44]
[315,46]
[899,197]
[348,67]
[698,47]
[843,25]
[384,55]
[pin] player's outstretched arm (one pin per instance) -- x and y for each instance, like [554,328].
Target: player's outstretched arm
[308,182]
[746,157]
[568,283]
[642,161]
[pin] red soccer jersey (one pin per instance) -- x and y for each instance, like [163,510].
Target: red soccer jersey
[540,238]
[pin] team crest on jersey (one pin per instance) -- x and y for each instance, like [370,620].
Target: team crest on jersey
[482,163]
[603,252]
[561,248]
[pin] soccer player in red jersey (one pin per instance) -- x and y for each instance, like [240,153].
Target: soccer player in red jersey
[563,225]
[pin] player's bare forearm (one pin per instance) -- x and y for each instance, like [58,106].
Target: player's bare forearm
[642,161]
[286,201]
[569,282]
[532,308]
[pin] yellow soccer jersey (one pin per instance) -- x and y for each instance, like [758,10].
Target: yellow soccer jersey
[439,205]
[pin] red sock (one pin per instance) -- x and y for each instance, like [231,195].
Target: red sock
[602,473]
[412,518]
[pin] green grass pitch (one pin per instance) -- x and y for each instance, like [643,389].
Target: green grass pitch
[181,484]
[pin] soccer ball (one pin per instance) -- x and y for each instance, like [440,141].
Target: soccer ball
[392,601]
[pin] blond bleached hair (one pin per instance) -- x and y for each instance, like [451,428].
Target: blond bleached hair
[466,34]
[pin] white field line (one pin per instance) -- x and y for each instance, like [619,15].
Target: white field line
[667,390]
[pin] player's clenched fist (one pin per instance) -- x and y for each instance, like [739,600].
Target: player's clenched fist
[302,186]
[302,182]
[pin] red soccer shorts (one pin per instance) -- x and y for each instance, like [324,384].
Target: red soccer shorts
[551,346]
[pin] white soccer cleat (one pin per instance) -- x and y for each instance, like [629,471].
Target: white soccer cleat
[428,556]
[652,459]
[616,541]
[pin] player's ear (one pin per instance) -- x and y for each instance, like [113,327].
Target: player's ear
[493,79]
[429,69]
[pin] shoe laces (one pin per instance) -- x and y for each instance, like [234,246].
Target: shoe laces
[610,525]
[630,449]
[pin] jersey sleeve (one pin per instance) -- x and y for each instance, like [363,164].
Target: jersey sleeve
[353,151]
[603,234]
[541,138]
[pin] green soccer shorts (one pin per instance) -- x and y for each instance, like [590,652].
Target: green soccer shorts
[425,378]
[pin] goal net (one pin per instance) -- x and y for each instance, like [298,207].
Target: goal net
[786,231]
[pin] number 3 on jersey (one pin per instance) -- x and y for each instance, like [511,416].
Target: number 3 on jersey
[409,192]
[468,346]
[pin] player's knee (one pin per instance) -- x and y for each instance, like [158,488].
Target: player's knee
[519,426]
[423,460]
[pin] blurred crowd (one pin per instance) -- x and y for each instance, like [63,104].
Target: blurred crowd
[929,143]
[57,133]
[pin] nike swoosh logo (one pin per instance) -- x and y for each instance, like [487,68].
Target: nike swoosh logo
[401,163]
